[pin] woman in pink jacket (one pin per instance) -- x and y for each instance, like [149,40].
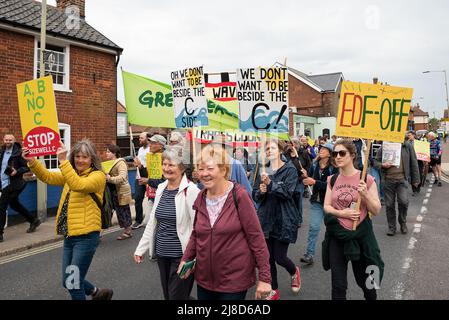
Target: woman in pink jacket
[227,240]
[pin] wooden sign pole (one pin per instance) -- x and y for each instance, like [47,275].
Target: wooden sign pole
[194,148]
[263,154]
[364,172]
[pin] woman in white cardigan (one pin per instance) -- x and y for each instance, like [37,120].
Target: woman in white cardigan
[171,222]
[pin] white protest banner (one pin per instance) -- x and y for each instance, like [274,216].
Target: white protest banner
[263,99]
[189,98]
[391,153]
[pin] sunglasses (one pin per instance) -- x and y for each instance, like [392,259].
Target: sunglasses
[342,153]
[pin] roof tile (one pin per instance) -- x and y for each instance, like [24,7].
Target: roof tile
[27,13]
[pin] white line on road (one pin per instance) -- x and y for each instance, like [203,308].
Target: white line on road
[427,194]
[425,201]
[419,218]
[429,190]
[423,210]
[407,263]
[411,243]
[45,248]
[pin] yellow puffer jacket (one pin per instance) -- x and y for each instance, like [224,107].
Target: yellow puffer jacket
[83,215]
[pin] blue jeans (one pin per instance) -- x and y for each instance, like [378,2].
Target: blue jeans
[376,175]
[78,254]
[204,294]
[316,217]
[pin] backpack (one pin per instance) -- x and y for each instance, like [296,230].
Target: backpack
[106,207]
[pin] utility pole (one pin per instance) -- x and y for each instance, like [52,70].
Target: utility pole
[42,187]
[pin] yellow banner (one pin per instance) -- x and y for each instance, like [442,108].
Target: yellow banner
[372,111]
[154,165]
[38,116]
[107,166]
[422,149]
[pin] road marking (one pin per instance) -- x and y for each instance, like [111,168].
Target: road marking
[407,263]
[411,243]
[398,291]
[43,249]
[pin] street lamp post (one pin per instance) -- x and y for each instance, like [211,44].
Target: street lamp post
[445,83]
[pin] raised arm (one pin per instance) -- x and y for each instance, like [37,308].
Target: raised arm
[46,176]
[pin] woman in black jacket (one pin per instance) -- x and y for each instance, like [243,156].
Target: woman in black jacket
[278,213]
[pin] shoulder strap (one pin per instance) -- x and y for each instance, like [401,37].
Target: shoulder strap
[234,197]
[97,201]
[334,179]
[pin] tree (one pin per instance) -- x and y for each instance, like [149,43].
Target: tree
[434,124]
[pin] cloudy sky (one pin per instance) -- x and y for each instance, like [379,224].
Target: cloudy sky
[392,40]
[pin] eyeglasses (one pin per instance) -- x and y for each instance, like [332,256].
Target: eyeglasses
[342,153]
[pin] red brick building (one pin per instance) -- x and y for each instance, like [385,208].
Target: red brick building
[82,61]
[421,118]
[313,102]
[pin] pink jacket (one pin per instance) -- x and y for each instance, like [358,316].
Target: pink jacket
[227,254]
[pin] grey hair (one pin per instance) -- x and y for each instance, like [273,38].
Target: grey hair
[87,147]
[175,135]
[175,154]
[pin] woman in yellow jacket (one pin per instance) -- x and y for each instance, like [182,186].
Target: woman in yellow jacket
[79,217]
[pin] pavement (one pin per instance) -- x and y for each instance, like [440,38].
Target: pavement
[445,159]
[16,239]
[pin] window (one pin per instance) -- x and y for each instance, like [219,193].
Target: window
[56,61]
[51,162]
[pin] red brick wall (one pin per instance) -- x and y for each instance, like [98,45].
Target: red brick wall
[90,109]
[421,126]
[306,99]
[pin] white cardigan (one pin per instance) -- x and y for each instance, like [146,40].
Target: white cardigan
[185,215]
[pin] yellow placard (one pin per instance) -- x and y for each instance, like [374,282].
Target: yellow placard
[107,166]
[422,149]
[372,111]
[154,165]
[310,141]
[38,116]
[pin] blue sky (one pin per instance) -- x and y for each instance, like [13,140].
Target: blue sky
[392,40]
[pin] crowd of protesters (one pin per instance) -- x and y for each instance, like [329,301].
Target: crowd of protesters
[223,212]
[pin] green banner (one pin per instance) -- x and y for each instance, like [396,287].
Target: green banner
[148,102]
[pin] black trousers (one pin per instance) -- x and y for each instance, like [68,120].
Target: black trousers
[339,270]
[138,198]
[173,287]
[11,198]
[207,295]
[278,254]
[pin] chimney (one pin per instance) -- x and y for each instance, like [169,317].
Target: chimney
[375,80]
[81,4]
